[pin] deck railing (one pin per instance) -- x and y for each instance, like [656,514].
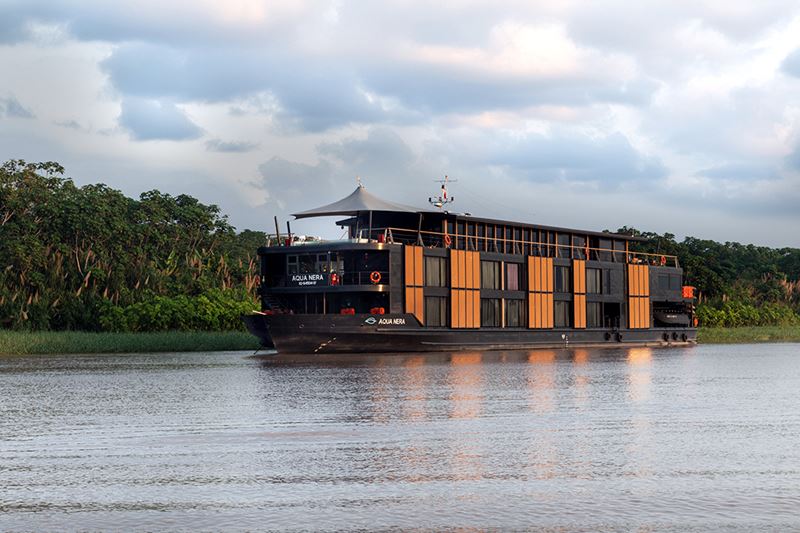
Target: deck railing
[433,239]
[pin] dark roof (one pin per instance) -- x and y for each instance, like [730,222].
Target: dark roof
[359,201]
[362,201]
[550,228]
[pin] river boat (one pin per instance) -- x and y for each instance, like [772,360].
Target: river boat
[424,280]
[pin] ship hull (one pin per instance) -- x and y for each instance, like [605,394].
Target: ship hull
[402,333]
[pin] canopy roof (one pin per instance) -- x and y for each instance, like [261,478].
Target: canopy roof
[359,201]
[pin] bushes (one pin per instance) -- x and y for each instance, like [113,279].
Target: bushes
[213,310]
[737,314]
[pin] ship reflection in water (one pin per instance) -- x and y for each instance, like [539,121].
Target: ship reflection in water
[649,439]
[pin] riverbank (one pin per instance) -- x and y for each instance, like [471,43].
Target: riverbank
[748,334]
[65,342]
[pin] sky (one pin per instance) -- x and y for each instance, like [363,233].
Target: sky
[679,117]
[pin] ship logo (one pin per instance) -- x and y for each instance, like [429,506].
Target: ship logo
[371,320]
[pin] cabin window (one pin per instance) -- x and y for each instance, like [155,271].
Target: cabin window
[619,251]
[594,315]
[594,281]
[435,272]
[563,245]
[674,282]
[490,312]
[435,311]
[515,313]
[579,250]
[561,318]
[561,279]
[513,277]
[663,281]
[490,275]
[603,254]
[291,264]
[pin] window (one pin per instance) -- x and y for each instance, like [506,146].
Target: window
[674,282]
[562,314]
[435,311]
[594,281]
[513,278]
[561,279]
[515,313]
[563,245]
[435,272]
[291,264]
[490,312]
[594,315]
[579,250]
[490,275]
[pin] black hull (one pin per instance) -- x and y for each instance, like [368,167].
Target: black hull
[323,334]
[256,326]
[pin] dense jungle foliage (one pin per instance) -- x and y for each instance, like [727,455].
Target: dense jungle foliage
[738,284]
[90,258]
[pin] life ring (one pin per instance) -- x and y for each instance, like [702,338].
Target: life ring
[663,261]
[334,279]
[447,240]
[375,277]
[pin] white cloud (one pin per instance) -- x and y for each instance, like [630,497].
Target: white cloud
[598,114]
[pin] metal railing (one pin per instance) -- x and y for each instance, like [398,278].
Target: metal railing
[433,239]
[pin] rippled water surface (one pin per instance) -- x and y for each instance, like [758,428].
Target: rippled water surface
[703,438]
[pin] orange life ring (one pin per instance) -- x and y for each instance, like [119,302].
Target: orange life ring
[375,277]
[663,261]
[447,240]
[334,279]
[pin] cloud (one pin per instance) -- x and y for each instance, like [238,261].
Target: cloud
[741,171]
[610,159]
[791,64]
[154,120]
[11,108]
[70,124]
[382,152]
[217,145]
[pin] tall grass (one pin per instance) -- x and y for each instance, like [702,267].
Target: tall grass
[69,342]
[748,334]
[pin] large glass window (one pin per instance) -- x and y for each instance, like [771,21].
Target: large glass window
[435,311]
[490,312]
[514,277]
[563,245]
[435,272]
[562,314]
[561,279]
[594,281]
[515,313]
[490,275]
[594,316]
[579,247]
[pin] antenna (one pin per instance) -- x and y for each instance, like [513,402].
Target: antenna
[442,200]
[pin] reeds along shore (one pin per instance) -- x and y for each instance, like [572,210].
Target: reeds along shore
[750,334]
[77,342]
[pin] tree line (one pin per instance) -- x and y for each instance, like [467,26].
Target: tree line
[737,284]
[91,258]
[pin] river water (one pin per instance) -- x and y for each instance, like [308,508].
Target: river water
[691,439]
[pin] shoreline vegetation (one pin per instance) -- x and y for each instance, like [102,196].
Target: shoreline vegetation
[80,342]
[84,342]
